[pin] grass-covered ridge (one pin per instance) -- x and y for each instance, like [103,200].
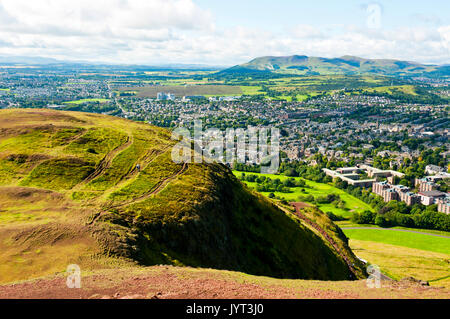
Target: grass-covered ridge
[71,193]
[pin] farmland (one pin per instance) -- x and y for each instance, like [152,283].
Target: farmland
[291,88]
[185,90]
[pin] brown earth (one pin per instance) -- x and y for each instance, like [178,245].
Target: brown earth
[167,282]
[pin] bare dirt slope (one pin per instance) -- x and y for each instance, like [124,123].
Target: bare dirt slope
[168,282]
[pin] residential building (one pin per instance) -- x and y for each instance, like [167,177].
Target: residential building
[430,197]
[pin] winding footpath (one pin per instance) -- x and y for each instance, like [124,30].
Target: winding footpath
[154,191]
[105,163]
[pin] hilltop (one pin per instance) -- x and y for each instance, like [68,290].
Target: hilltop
[345,65]
[70,192]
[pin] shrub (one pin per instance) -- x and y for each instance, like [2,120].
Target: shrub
[334,217]
[381,221]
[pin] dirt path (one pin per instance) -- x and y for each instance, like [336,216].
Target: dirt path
[155,190]
[105,163]
[147,159]
[297,207]
[402,230]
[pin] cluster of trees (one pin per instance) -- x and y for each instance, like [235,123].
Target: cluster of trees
[333,199]
[299,168]
[246,168]
[266,184]
[394,215]
[93,107]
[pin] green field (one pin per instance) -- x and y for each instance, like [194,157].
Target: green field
[398,238]
[399,262]
[407,89]
[352,204]
[87,100]
[252,90]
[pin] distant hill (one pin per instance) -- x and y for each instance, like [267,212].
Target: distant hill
[43,61]
[27,60]
[347,65]
[71,193]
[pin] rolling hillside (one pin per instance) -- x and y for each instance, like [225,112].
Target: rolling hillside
[70,192]
[348,65]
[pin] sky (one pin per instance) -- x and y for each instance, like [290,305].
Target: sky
[219,32]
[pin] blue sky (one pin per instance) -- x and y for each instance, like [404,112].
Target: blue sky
[274,15]
[225,32]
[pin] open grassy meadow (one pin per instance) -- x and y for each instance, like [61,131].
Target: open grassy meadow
[399,261]
[396,237]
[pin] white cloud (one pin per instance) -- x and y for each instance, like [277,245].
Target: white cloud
[166,31]
[85,17]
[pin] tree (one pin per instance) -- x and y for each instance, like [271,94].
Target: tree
[381,221]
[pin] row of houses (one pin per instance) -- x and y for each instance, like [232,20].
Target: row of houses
[402,193]
[395,192]
[429,183]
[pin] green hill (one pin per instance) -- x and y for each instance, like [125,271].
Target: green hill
[347,65]
[70,193]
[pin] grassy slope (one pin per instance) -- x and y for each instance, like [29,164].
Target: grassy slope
[399,262]
[51,216]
